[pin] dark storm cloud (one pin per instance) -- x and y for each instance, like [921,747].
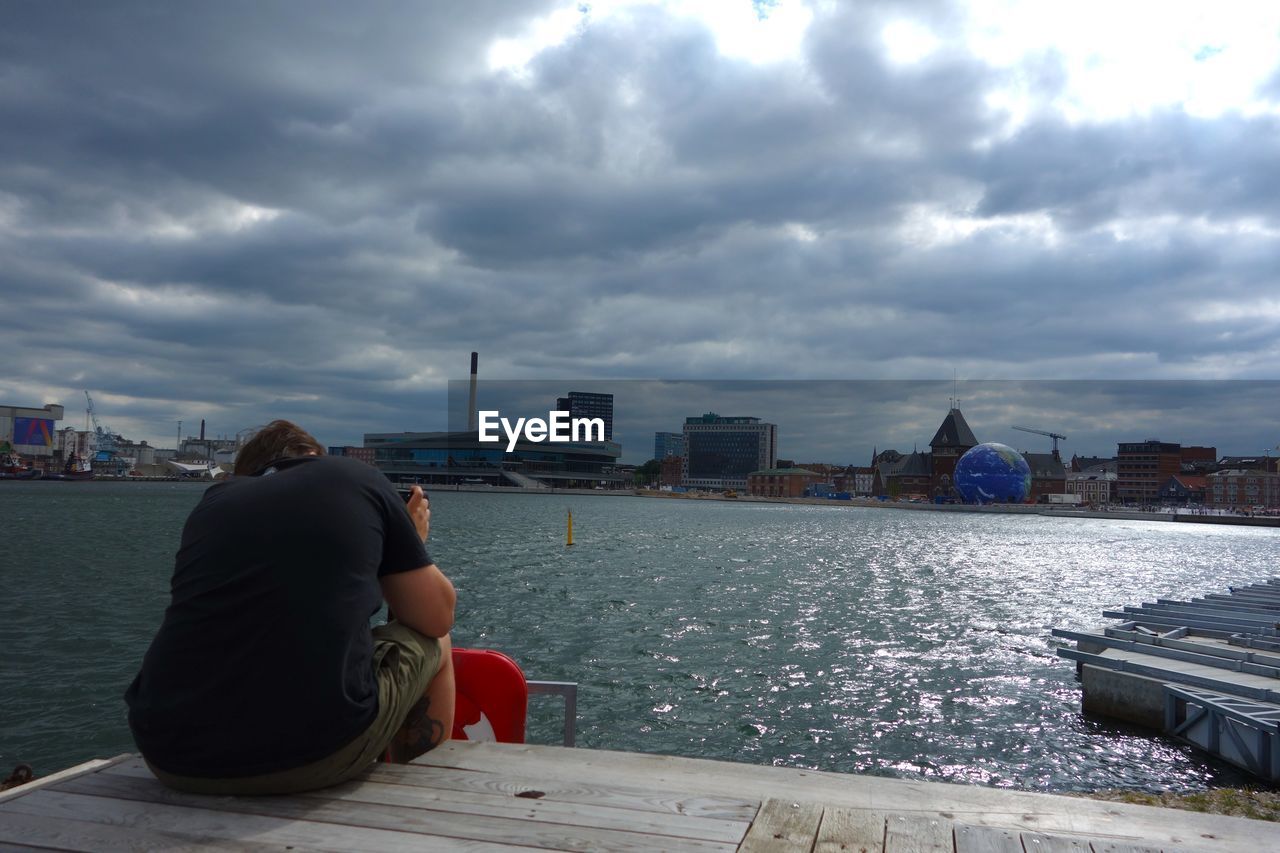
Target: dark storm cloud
[316,210]
[1169,163]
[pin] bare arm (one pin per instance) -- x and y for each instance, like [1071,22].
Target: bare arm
[422,598]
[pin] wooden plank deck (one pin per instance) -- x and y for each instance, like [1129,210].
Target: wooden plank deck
[468,796]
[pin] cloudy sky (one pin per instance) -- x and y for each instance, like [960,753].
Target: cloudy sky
[238,211]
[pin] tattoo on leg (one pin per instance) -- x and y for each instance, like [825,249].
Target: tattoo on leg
[419,733]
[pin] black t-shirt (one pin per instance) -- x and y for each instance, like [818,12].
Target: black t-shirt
[264,661]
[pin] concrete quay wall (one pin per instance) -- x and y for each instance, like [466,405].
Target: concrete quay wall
[1122,696]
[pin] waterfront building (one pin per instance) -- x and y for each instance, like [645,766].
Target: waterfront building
[1094,485]
[460,457]
[671,471]
[1084,463]
[74,442]
[949,443]
[1245,463]
[912,477]
[364,454]
[844,478]
[721,451]
[1183,490]
[836,478]
[1198,460]
[1141,466]
[782,482]
[580,404]
[884,464]
[667,444]
[1048,475]
[220,450]
[30,431]
[1241,488]
[132,454]
[863,480]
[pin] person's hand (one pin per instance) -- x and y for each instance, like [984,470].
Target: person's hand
[420,511]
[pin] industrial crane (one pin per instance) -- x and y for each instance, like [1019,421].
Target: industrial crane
[1054,435]
[105,439]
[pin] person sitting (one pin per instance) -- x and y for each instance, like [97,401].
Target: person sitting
[265,676]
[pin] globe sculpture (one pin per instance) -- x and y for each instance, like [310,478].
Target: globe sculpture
[993,473]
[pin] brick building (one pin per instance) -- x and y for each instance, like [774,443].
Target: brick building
[1048,475]
[913,477]
[364,454]
[669,472]
[1198,460]
[1141,468]
[1243,489]
[782,482]
[949,443]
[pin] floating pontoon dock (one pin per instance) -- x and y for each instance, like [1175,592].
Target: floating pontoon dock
[1205,671]
[488,796]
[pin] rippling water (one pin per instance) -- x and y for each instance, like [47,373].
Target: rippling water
[905,643]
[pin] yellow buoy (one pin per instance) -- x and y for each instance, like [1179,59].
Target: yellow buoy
[569,540]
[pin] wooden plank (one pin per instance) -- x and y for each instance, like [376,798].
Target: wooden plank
[850,831]
[537,810]
[63,833]
[1036,842]
[429,821]
[1026,811]
[917,834]
[237,829]
[630,796]
[986,839]
[1122,847]
[71,772]
[519,808]
[508,785]
[783,826]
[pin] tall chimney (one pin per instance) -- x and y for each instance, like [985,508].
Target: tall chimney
[202,429]
[473,424]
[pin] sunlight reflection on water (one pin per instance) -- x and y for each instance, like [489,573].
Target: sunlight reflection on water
[878,641]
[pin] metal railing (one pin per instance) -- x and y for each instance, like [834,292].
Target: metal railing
[569,691]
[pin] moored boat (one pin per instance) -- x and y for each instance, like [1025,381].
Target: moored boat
[77,468]
[13,468]
[195,469]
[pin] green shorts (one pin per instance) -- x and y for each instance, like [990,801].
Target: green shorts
[405,662]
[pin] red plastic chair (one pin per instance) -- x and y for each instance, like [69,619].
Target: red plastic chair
[493,697]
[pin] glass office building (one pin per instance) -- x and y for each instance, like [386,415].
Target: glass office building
[667,444]
[580,404]
[721,451]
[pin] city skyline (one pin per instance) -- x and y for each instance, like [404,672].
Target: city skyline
[317,212]
[841,422]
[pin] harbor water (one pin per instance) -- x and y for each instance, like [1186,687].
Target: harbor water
[858,640]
